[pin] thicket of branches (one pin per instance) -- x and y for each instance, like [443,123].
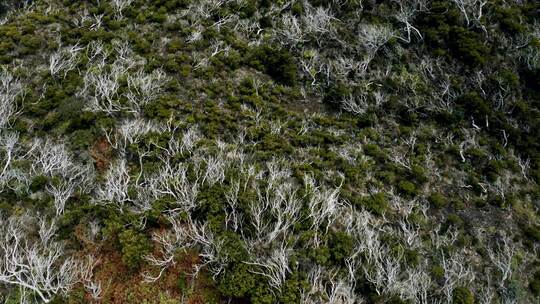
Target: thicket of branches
[270,151]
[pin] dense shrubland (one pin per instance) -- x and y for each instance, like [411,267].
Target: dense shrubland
[255,151]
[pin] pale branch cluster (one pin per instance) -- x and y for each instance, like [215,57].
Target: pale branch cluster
[502,258]
[356,104]
[33,260]
[102,80]
[8,144]
[172,181]
[53,159]
[49,158]
[383,268]
[168,242]
[324,205]
[407,12]
[130,131]
[64,188]
[471,9]
[10,88]
[84,19]
[371,38]
[457,272]
[143,87]
[64,60]
[275,267]
[119,6]
[469,141]
[115,188]
[325,286]
[276,208]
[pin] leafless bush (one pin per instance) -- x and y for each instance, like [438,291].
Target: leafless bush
[65,187]
[456,272]
[168,242]
[64,60]
[36,263]
[8,142]
[371,38]
[10,89]
[116,185]
[324,205]
[275,268]
[502,257]
[120,6]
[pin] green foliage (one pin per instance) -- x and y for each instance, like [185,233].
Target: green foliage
[376,203]
[437,200]
[341,246]
[467,46]
[238,281]
[135,246]
[277,62]
[462,295]
[407,188]
[534,285]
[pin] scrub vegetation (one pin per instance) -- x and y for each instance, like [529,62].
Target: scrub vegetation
[257,151]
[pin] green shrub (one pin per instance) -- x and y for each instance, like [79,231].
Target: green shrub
[135,246]
[376,203]
[276,62]
[437,200]
[341,246]
[467,46]
[462,295]
[534,285]
[407,188]
[237,281]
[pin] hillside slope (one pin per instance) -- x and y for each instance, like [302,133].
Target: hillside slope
[256,151]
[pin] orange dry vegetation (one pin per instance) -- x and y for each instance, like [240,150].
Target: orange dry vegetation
[120,286]
[101,152]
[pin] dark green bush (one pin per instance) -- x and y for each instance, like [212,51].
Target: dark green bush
[437,200]
[135,246]
[238,281]
[276,62]
[407,188]
[462,295]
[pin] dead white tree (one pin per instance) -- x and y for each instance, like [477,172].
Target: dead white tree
[64,59]
[275,268]
[119,6]
[371,38]
[456,272]
[275,210]
[64,187]
[502,257]
[317,22]
[355,104]
[291,31]
[38,264]
[116,186]
[172,180]
[342,292]
[143,88]
[232,216]
[406,14]
[323,205]
[169,242]
[50,158]
[8,142]
[469,141]
[214,260]
[10,89]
